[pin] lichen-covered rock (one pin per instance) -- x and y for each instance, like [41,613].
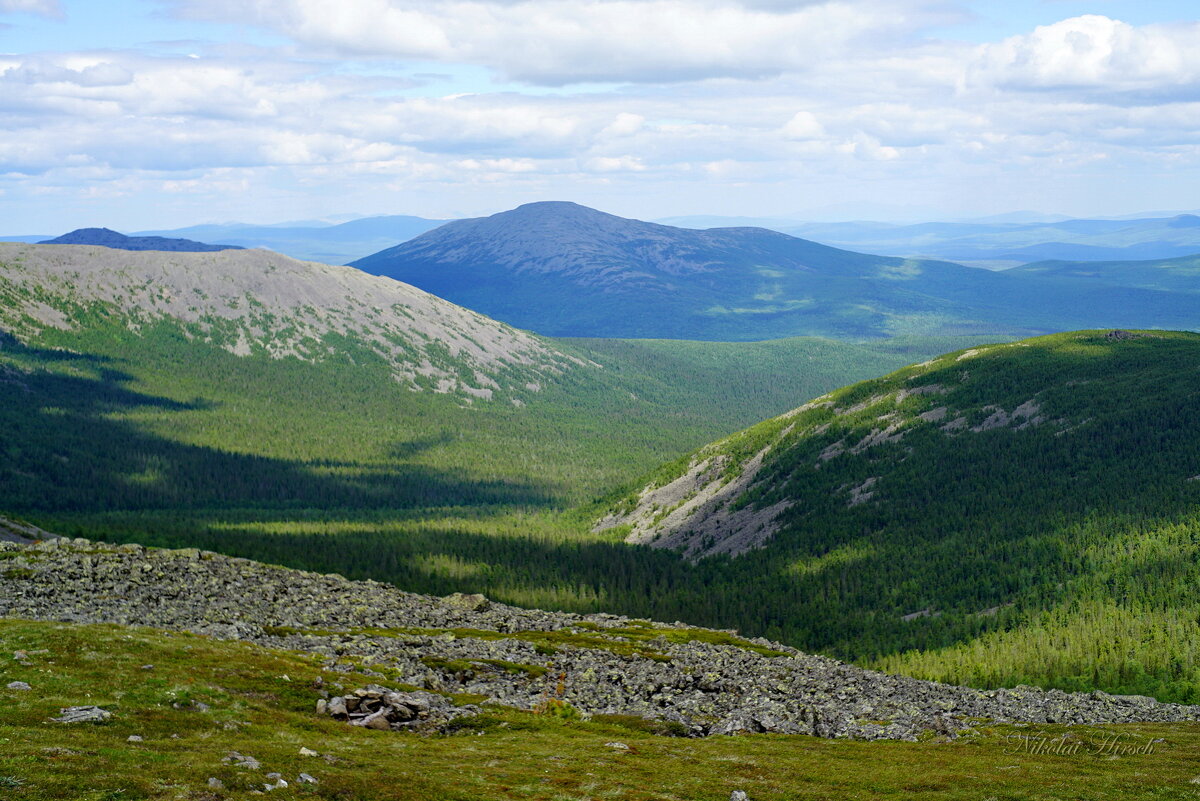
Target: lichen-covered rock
[703,680]
[376,707]
[83,714]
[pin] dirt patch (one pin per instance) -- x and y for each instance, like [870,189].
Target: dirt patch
[957,424]
[927,612]
[880,436]
[860,406]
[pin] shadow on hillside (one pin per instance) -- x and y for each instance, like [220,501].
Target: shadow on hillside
[457,554]
[9,344]
[973,523]
[418,445]
[66,449]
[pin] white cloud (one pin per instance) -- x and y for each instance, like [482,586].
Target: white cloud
[615,164]
[559,42]
[497,165]
[804,125]
[868,147]
[625,124]
[1094,52]
[1070,99]
[46,8]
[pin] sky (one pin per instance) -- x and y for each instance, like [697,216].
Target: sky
[145,114]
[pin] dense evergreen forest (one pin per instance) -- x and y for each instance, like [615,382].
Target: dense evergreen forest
[1081,537]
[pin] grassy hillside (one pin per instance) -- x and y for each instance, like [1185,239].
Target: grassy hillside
[260,703]
[1024,512]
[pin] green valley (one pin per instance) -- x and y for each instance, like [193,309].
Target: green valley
[265,433]
[968,507]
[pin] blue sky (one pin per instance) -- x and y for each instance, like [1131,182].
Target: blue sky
[141,114]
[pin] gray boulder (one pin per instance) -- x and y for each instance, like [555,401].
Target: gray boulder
[83,714]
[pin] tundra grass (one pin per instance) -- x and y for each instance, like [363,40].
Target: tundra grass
[193,701]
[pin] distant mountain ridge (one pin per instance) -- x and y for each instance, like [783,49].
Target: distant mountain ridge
[998,242]
[328,244]
[1181,274]
[106,237]
[562,269]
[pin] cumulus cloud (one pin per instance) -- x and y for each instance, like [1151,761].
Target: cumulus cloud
[804,125]
[1094,52]
[804,114]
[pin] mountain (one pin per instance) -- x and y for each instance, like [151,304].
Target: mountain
[975,506]
[261,302]
[565,270]
[111,239]
[275,699]
[329,244]
[329,420]
[27,238]
[1180,274]
[703,221]
[172,390]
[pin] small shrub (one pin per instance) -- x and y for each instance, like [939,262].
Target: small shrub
[558,708]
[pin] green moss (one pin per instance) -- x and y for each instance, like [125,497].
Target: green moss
[665,728]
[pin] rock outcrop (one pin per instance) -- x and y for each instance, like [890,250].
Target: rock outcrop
[375,707]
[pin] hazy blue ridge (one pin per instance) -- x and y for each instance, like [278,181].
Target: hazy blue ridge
[106,237]
[328,244]
[565,270]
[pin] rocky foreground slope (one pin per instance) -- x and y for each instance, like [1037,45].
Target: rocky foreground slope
[705,681]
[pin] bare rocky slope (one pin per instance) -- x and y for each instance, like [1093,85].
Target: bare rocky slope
[704,681]
[256,301]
